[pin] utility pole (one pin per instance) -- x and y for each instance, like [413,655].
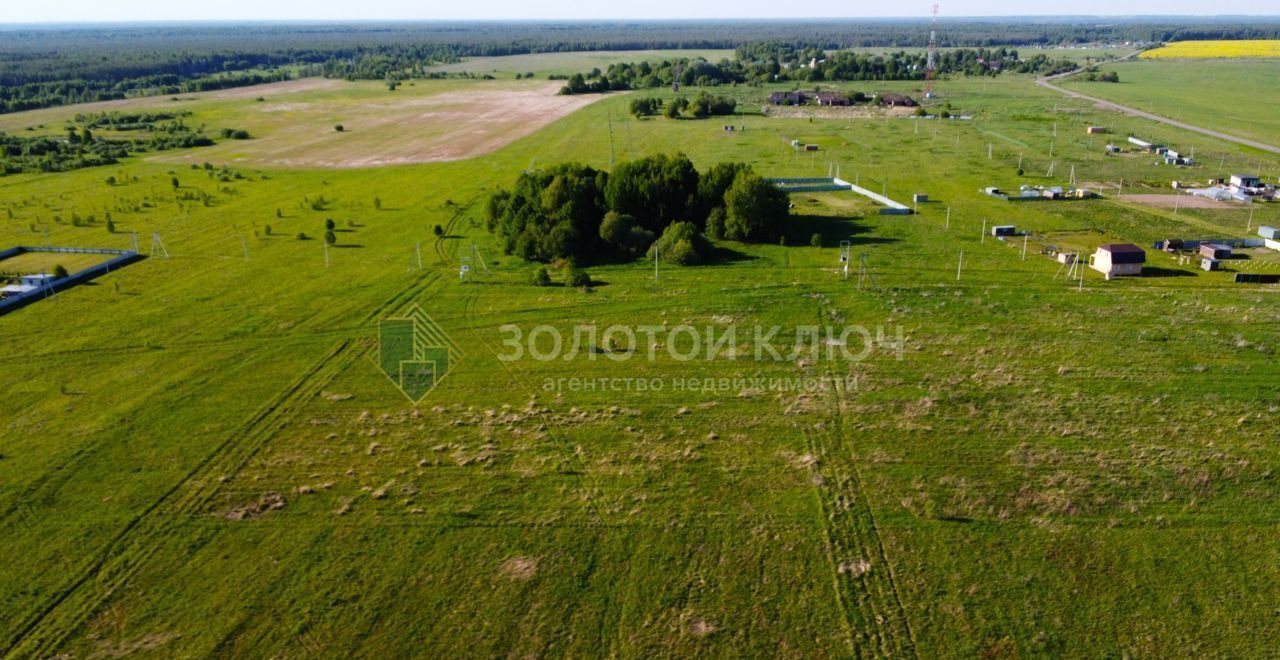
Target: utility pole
[960,266]
[948,226]
[418,250]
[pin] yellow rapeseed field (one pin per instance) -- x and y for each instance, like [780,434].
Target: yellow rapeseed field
[1216,49]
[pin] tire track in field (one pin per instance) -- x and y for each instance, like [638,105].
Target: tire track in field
[449,227]
[864,580]
[45,630]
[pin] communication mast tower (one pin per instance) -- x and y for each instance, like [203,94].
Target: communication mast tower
[931,65]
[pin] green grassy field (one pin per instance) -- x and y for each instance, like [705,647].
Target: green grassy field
[1235,97]
[200,455]
[31,263]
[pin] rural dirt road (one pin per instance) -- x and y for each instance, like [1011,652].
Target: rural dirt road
[1048,83]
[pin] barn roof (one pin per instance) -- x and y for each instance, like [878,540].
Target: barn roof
[1124,253]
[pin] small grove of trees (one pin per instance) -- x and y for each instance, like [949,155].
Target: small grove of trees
[577,213]
[682,244]
[1093,75]
[578,84]
[702,105]
[645,107]
[706,105]
[675,107]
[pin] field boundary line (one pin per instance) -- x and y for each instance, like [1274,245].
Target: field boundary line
[44,631]
[1048,83]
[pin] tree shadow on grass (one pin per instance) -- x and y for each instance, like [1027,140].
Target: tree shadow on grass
[726,255]
[832,230]
[1151,271]
[346,246]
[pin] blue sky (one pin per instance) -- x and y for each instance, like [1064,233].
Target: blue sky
[19,11]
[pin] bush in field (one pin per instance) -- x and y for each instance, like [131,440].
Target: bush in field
[682,244]
[645,107]
[675,107]
[576,277]
[541,277]
[59,271]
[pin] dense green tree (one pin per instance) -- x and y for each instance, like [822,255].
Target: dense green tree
[756,210]
[716,222]
[714,183]
[616,228]
[681,243]
[656,190]
[551,214]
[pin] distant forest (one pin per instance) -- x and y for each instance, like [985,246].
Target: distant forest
[42,66]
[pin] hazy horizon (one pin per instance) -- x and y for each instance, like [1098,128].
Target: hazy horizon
[244,11]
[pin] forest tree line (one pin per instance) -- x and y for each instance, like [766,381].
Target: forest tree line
[46,66]
[776,62]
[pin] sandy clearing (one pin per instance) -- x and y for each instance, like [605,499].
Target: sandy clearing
[1180,201]
[48,116]
[444,126]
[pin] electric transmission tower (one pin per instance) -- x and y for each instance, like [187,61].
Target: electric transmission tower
[931,64]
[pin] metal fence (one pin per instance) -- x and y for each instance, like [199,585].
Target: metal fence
[122,258]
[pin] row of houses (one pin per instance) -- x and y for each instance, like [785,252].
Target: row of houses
[835,99]
[1027,193]
[1167,155]
[1243,188]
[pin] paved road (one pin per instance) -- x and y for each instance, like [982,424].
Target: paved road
[1048,83]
